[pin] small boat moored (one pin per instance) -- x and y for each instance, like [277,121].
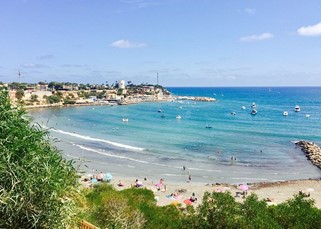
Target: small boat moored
[253,112]
[178,117]
[297,108]
[125,119]
[285,113]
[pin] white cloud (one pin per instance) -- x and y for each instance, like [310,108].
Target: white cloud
[127,44]
[34,66]
[259,37]
[311,30]
[247,11]
[250,10]
[45,57]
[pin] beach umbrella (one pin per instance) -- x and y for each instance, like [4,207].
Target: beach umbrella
[107,177]
[244,187]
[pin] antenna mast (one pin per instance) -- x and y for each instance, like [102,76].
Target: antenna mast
[157,78]
[19,75]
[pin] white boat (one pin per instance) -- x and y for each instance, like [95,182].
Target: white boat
[159,111]
[233,113]
[243,107]
[125,119]
[285,113]
[178,117]
[253,105]
[297,108]
[307,116]
[253,112]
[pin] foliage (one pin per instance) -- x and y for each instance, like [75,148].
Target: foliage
[69,101]
[297,213]
[110,209]
[37,185]
[129,208]
[83,94]
[257,214]
[53,99]
[19,94]
[34,98]
[220,210]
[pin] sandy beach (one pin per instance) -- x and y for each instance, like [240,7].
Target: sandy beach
[276,192]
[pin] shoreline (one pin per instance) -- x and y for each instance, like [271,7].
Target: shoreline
[272,192]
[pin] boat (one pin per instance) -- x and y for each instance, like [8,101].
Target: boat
[285,113]
[233,113]
[297,108]
[243,107]
[163,116]
[253,112]
[208,127]
[307,116]
[178,117]
[253,105]
[125,119]
[159,111]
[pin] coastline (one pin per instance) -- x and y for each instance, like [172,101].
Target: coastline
[278,191]
[272,192]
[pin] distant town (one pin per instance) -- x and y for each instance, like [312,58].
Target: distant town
[44,94]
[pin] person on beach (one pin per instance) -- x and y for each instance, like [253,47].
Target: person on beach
[100,176]
[184,168]
[138,183]
[193,198]
[121,184]
[190,178]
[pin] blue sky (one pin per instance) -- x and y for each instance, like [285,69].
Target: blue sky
[188,42]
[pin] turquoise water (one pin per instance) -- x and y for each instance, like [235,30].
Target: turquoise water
[149,145]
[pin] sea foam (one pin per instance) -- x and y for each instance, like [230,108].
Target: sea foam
[98,140]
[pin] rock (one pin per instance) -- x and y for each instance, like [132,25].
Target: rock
[312,152]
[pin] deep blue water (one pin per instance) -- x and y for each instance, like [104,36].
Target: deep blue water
[150,144]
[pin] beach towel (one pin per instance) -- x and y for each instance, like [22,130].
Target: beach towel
[188,202]
[174,197]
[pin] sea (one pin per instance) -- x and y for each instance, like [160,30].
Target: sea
[212,142]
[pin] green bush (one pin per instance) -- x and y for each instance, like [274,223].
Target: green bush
[129,208]
[297,213]
[37,185]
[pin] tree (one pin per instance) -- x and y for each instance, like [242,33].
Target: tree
[34,98]
[37,184]
[19,94]
[53,99]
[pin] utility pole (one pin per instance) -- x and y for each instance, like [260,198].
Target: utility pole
[157,78]
[19,75]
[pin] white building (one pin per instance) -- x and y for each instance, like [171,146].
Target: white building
[121,84]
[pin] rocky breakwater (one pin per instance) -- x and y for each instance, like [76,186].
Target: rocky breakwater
[312,152]
[202,99]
